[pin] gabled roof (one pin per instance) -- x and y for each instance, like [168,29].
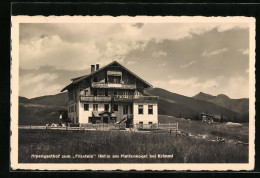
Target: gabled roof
[78,79]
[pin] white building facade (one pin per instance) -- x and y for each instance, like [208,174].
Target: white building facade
[111,94]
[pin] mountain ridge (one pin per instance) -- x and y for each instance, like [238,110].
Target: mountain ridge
[47,107]
[240,105]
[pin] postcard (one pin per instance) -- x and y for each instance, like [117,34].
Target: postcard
[132,93]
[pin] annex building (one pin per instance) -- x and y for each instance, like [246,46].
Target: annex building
[111,94]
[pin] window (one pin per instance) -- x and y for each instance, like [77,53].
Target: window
[125,94]
[106,107]
[140,109]
[75,108]
[125,109]
[150,109]
[115,107]
[106,93]
[95,107]
[85,92]
[71,108]
[131,109]
[150,122]
[114,79]
[95,79]
[115,93]
[140,125]
[95,92]
[86,107]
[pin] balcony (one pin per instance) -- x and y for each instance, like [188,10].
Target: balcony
[133,98]
[114,73]
[124,98]
[112,85]
[118,98]
[95,98]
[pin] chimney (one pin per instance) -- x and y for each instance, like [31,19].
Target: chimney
[92,68]
[97,66]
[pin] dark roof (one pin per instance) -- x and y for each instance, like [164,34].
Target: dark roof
[78,79]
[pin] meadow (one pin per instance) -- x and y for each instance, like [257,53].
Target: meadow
[85,142]
[216,129]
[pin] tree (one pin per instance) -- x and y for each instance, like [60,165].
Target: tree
[221,118]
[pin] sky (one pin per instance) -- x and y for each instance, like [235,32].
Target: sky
[184,58]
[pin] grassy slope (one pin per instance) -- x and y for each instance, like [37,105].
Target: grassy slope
[202,128]
[30,114]
[41,110]
[175,104]
[184,149]
[60,99]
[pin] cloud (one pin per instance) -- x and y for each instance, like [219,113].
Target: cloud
[244,51]
[30,79]
[131,62]
[60,45]
[184,66]
[234,87]
[219,51]
[162,64]
[53,51]
[38,85]
[159,53]
[70,49]
[187,87]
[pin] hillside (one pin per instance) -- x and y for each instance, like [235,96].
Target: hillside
[60,99]
[45,109]
[41,110]
[237,105]
[177,105]
[203,96]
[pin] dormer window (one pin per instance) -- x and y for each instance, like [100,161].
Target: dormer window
[85,92]
[95,79]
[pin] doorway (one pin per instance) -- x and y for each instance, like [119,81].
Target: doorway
[105,120]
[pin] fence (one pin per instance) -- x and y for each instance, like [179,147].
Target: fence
[90,126]
[122,126]
[170,126]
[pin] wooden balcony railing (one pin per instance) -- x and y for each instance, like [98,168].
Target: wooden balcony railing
[112,85]
[95,98]
[135,98]
[124,98]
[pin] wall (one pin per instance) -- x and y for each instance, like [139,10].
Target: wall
[73,115]
[84,115]
[145,117]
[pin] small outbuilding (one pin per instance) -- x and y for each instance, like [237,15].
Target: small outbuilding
[207,118]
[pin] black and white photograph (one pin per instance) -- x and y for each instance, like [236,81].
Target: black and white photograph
[108,93]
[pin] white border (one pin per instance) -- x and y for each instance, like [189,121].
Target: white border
[122,166]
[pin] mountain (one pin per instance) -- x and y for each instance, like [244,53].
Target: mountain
[237,105]
[203,96]
[60,99]
[45,109]
[176,105]
[42,110]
